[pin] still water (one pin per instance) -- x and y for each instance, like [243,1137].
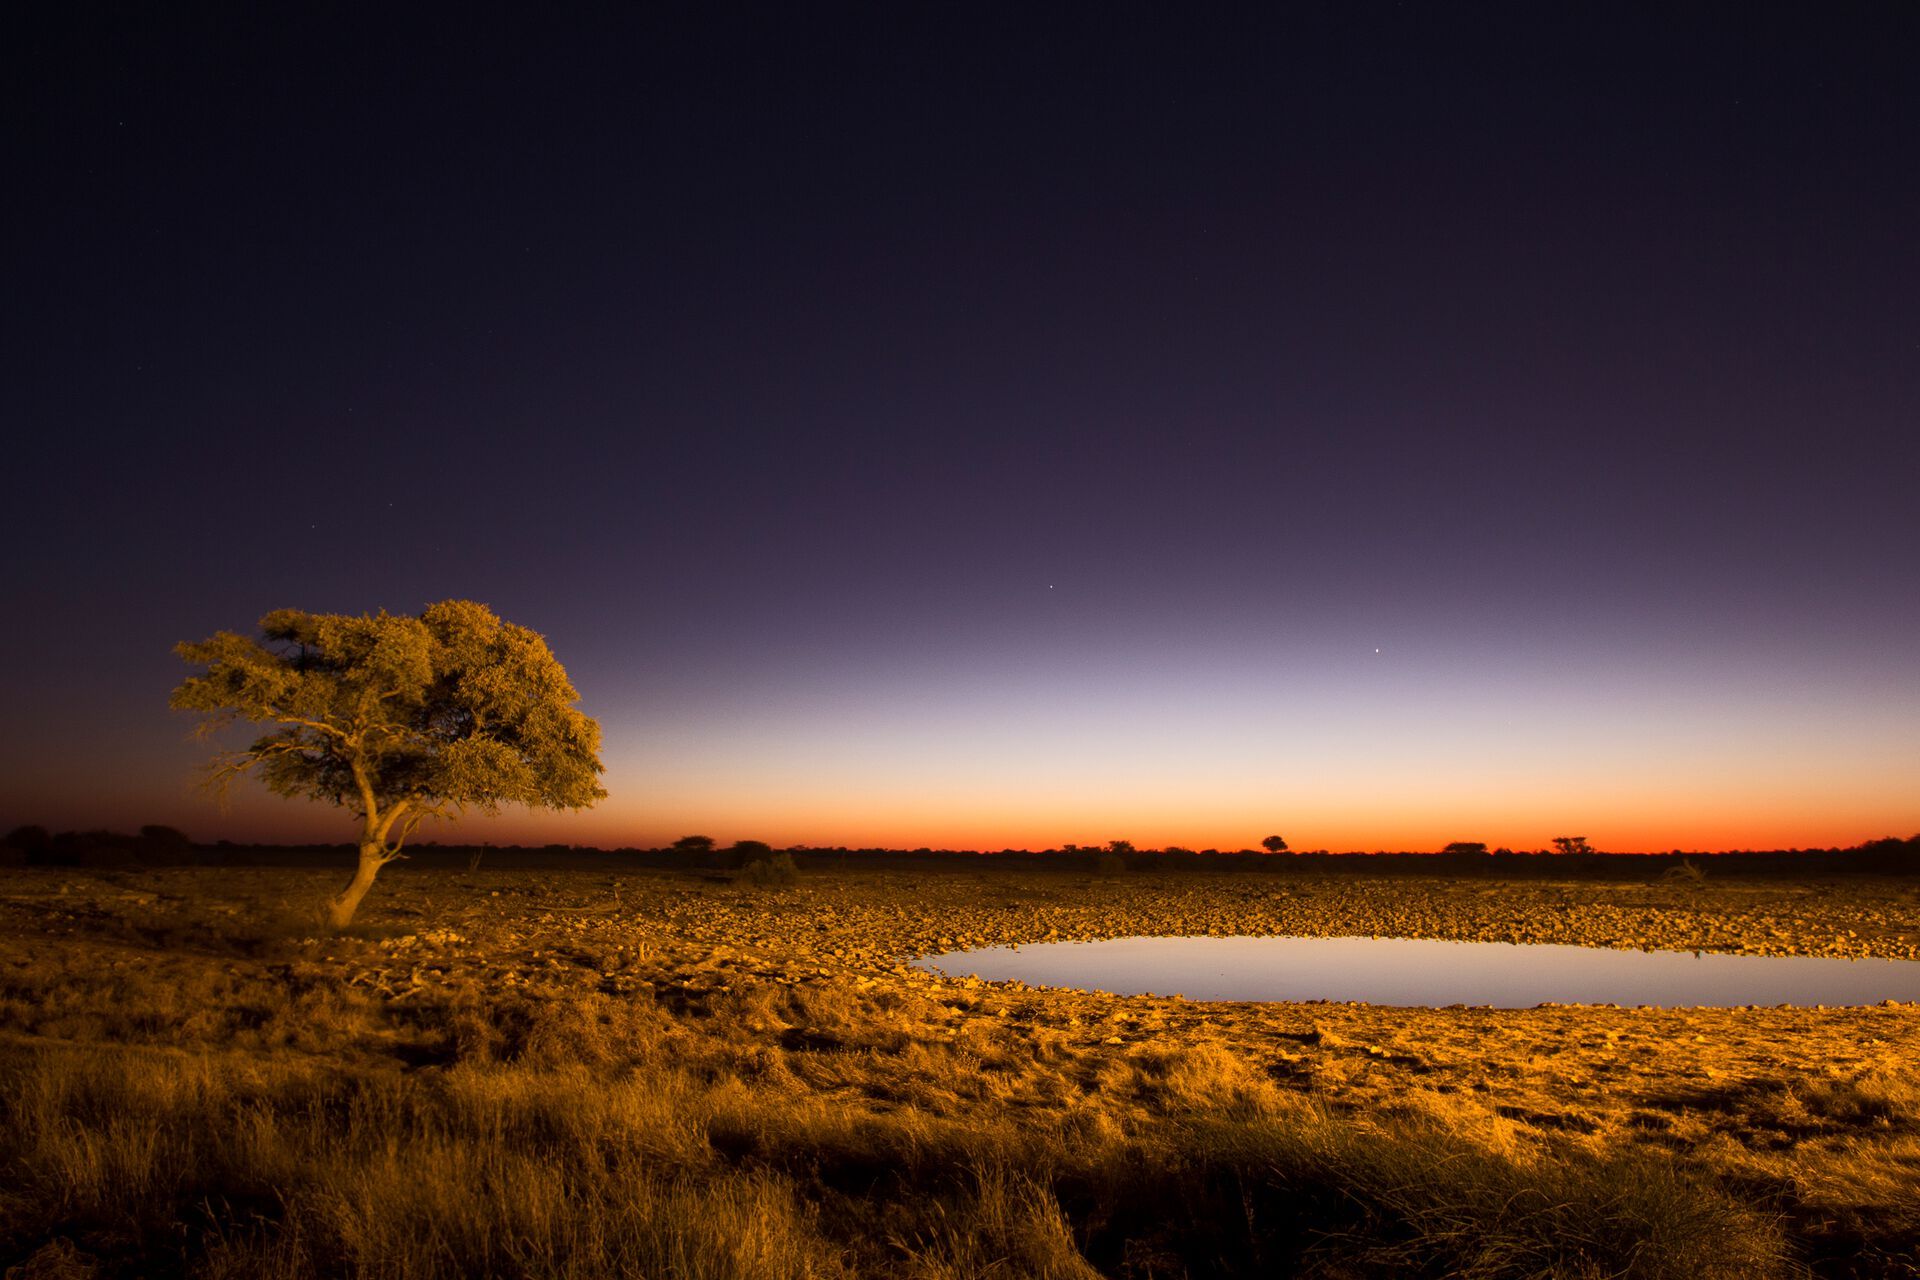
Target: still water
[1410,971]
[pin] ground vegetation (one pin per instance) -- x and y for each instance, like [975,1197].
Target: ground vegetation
[678,1073]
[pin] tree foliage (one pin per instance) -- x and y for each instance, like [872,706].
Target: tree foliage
[1274,844]
[397,718]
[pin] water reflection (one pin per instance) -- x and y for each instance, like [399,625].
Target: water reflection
[1410,971]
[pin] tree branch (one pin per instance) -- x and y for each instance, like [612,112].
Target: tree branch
[228,765]
[398,807]
[370,811]
[406,829]
[281,717]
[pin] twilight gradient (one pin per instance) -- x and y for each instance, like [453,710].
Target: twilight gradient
[1377,428]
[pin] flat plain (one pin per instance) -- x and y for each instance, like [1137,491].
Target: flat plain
[658,1073]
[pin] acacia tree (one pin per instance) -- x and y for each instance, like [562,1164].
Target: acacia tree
[1274,844]
[397,719]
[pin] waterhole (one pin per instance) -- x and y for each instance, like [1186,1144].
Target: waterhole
[1414,971]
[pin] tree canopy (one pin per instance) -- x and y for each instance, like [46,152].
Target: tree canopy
[397,718]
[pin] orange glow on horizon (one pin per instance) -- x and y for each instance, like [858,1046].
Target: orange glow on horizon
[792,821]
[962,801]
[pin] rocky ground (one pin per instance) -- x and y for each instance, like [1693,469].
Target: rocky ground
[1821,1101]
[686,938]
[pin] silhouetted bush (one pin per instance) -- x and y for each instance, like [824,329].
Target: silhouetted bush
[744,853]
[24,845]
[697,849]
[164,846]
[86,849]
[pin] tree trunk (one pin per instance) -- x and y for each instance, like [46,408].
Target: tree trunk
[340,909]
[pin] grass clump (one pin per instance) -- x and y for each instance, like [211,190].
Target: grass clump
[1308,1192]
[1686,873]
[772,872]
[163,1162]
[1881,1097]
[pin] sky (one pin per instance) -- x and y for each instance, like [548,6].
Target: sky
[994,426]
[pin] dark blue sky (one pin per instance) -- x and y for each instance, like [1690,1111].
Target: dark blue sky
[985,425]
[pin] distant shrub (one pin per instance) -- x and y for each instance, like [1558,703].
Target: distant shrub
[742,854]
[23,845]
[693,846]
[86,849]
[27,837]
[163,846]
[771,871]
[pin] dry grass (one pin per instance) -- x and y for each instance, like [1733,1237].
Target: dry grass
[152,1162]
[197,1096]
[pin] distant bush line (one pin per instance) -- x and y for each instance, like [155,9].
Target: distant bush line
[166,846]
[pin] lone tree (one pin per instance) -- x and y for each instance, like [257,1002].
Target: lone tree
[397,719]
[1274,844]
[1572,844]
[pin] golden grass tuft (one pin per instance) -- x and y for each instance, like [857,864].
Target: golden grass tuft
[1183,1078]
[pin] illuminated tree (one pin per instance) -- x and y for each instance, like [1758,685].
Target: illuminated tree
[1274,844]
[397,719]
